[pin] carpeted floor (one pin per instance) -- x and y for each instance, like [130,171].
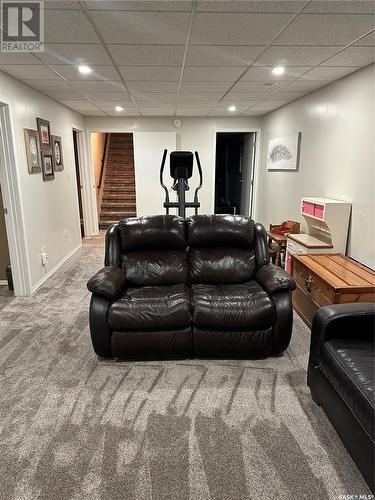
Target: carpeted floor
[72,427]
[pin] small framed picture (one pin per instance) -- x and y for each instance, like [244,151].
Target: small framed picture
[44,133]
[47,166]
[58,163]
[32,151]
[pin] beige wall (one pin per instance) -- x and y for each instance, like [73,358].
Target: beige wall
[4,252]
[97,148]
[50,209]
[337,157]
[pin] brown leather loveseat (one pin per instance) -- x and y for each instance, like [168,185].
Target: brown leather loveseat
[202,286]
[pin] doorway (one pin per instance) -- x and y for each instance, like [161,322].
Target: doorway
[4,253]
[79,181]
[234,173]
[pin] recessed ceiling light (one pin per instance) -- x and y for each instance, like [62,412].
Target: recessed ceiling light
[119,108]
[84,70]
[232,108]
[279,70]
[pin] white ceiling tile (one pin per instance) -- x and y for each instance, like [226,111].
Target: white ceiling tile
[212,74]
[368,40]
[244,103]
[200,97]
[158,111]
[352,56]
[19,58]
[164,97]
[295,56]
[108,96]
[257,86]
[63,94]
[236,29]
[112,104]
[74,103]
[225,112]
[341,6]
[156,104]
[89,112]
[327,29]
[264,74]
[328,73]
[48,84]
[153,86]
[68,26]
[160,5]
[147,55]
[168,28]
[222,55]
[98,85]
[192,111]
[61,4]
[29,71]
[247,96]
[74,53]
[249,5]
[304,85]
[197,104]
[150,73]
[98,73]
[126,112]
[285,96]
[205,86]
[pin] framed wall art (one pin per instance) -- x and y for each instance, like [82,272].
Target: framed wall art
[44,133]
[58,162]
[34,164]
[47,166]
[283,152]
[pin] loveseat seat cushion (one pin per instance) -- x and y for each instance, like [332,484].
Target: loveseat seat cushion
[155,267]
[151,308]
[349,366]
[234,307]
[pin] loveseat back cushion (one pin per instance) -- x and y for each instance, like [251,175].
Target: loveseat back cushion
[153,250]
[221,265]
[155,267]
[220,231]
[153,232]
[221,248]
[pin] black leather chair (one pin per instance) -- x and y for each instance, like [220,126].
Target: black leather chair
[341,377]
[175,288]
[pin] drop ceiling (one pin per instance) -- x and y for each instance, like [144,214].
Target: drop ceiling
[194,58]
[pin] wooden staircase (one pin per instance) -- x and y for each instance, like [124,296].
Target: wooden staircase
[119,185]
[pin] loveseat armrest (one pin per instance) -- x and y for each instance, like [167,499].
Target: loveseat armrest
[341,321]
[109,282]
[274,279]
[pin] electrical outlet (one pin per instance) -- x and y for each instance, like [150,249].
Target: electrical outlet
[44,258]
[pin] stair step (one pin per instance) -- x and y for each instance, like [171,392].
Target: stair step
[114,207]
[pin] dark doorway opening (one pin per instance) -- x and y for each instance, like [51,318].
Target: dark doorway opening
[5,269]
[234,179]
[79,182]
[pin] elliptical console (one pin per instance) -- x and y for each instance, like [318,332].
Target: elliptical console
[181,165]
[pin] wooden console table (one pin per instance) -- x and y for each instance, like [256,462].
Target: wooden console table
[280,240]
[324,279]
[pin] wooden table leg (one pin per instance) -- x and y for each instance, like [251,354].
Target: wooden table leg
[278,256]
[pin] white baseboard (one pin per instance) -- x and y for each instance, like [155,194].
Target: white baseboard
[54,269]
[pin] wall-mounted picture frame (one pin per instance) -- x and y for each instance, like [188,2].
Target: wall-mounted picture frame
[58,161]
[44,133]
[47,166]
[283,152]
[32,146]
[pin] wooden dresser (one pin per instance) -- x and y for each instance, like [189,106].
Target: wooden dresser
[324,279]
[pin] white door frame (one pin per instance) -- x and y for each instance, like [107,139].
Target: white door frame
[241,130]
[87,183]
[14,218]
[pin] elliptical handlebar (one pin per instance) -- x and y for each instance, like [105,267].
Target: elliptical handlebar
[161,180]
[200,182]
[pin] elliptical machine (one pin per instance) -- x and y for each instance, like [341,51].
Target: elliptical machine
[181,166]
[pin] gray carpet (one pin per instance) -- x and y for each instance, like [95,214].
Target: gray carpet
[72,427]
